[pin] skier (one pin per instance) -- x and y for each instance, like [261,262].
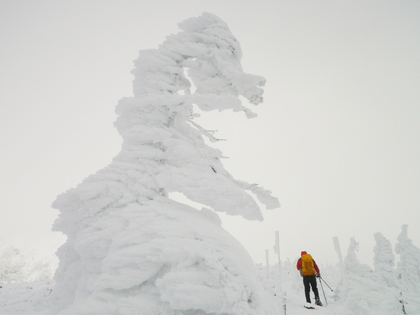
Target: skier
[309,271]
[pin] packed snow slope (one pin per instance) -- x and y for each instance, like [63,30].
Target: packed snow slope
[349,288]
[131,248]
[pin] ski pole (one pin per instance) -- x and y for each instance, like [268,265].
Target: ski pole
[326,302]
[326,283]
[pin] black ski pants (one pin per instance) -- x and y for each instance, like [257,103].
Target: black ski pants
[308,282]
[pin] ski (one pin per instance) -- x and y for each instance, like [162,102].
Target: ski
[309,306]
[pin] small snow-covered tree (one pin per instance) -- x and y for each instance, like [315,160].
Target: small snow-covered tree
[384,259]
[408,269]
[130,248]
[384,262]
[351,262]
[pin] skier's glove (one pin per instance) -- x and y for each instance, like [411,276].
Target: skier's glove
[318,275]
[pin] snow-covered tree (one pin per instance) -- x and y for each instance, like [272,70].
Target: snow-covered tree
[130,248]
[384,262]
[384,259]
[366,290]
[351,262]
[408,269]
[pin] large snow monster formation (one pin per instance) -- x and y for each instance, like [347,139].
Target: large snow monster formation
[130,248]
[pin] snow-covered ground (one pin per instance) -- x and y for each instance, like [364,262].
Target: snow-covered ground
[360,295]
[25,298]
[33,298]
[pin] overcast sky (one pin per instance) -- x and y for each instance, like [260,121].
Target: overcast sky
[336,140]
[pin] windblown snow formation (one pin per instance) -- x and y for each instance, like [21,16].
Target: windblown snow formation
[130,248]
